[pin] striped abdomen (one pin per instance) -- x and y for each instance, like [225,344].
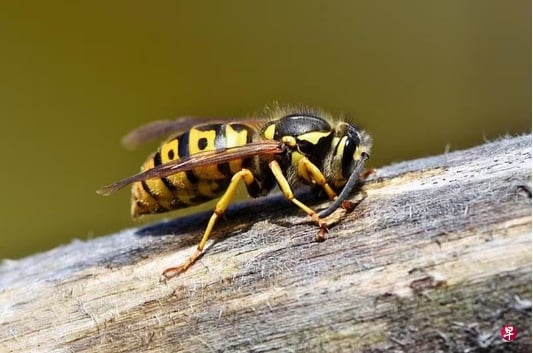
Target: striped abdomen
[196,186]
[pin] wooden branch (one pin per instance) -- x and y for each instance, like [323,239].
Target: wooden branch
[436,257]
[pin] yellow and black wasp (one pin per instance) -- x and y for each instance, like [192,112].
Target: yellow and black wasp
[204,161]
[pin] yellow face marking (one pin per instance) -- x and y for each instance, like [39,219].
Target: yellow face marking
[269,132]
[313,136]
[336,163]
[334,142]
[200,141]
[340,150]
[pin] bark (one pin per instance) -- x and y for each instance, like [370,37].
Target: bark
[436,257]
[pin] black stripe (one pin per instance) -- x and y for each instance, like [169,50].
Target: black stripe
[151,193]
[253,189]
[157,158]
[183,145]
[224,169]
[237,127]
[193,179]
[249,135]
[183,152]
[198,199]
[159,208]
[170,186]
[165,181]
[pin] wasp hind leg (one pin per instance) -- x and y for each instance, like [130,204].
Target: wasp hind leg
[287,192]
[221,206]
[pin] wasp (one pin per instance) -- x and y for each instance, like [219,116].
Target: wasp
[204,161]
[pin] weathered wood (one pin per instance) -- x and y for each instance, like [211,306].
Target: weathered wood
[436,257]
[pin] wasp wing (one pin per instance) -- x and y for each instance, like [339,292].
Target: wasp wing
[223,155]
[159,129]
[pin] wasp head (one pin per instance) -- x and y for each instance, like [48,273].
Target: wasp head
[349,147]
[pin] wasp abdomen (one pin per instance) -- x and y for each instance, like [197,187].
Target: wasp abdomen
[192,187]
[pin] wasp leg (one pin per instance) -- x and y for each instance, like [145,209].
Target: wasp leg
[287,192]
[220,208]
[309,171]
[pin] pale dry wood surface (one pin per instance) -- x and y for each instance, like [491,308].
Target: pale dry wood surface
[435,258]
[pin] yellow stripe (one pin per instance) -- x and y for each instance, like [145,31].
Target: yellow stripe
[156,186]
[205,188]
[196,135]
[340,150]
[269,131]
[184,195]
[142,203]
[179,180]
[313,136]
[235,138]
[170,147]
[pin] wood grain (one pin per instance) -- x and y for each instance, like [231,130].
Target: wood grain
[435,258]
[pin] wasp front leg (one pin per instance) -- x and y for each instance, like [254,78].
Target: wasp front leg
[310,172]
[287,192]
[221,206]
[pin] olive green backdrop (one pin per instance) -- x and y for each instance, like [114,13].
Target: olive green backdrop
[421,76]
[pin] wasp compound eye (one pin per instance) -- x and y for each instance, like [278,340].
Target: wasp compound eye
[348,158]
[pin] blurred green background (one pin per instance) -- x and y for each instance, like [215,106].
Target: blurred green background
[77,75]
